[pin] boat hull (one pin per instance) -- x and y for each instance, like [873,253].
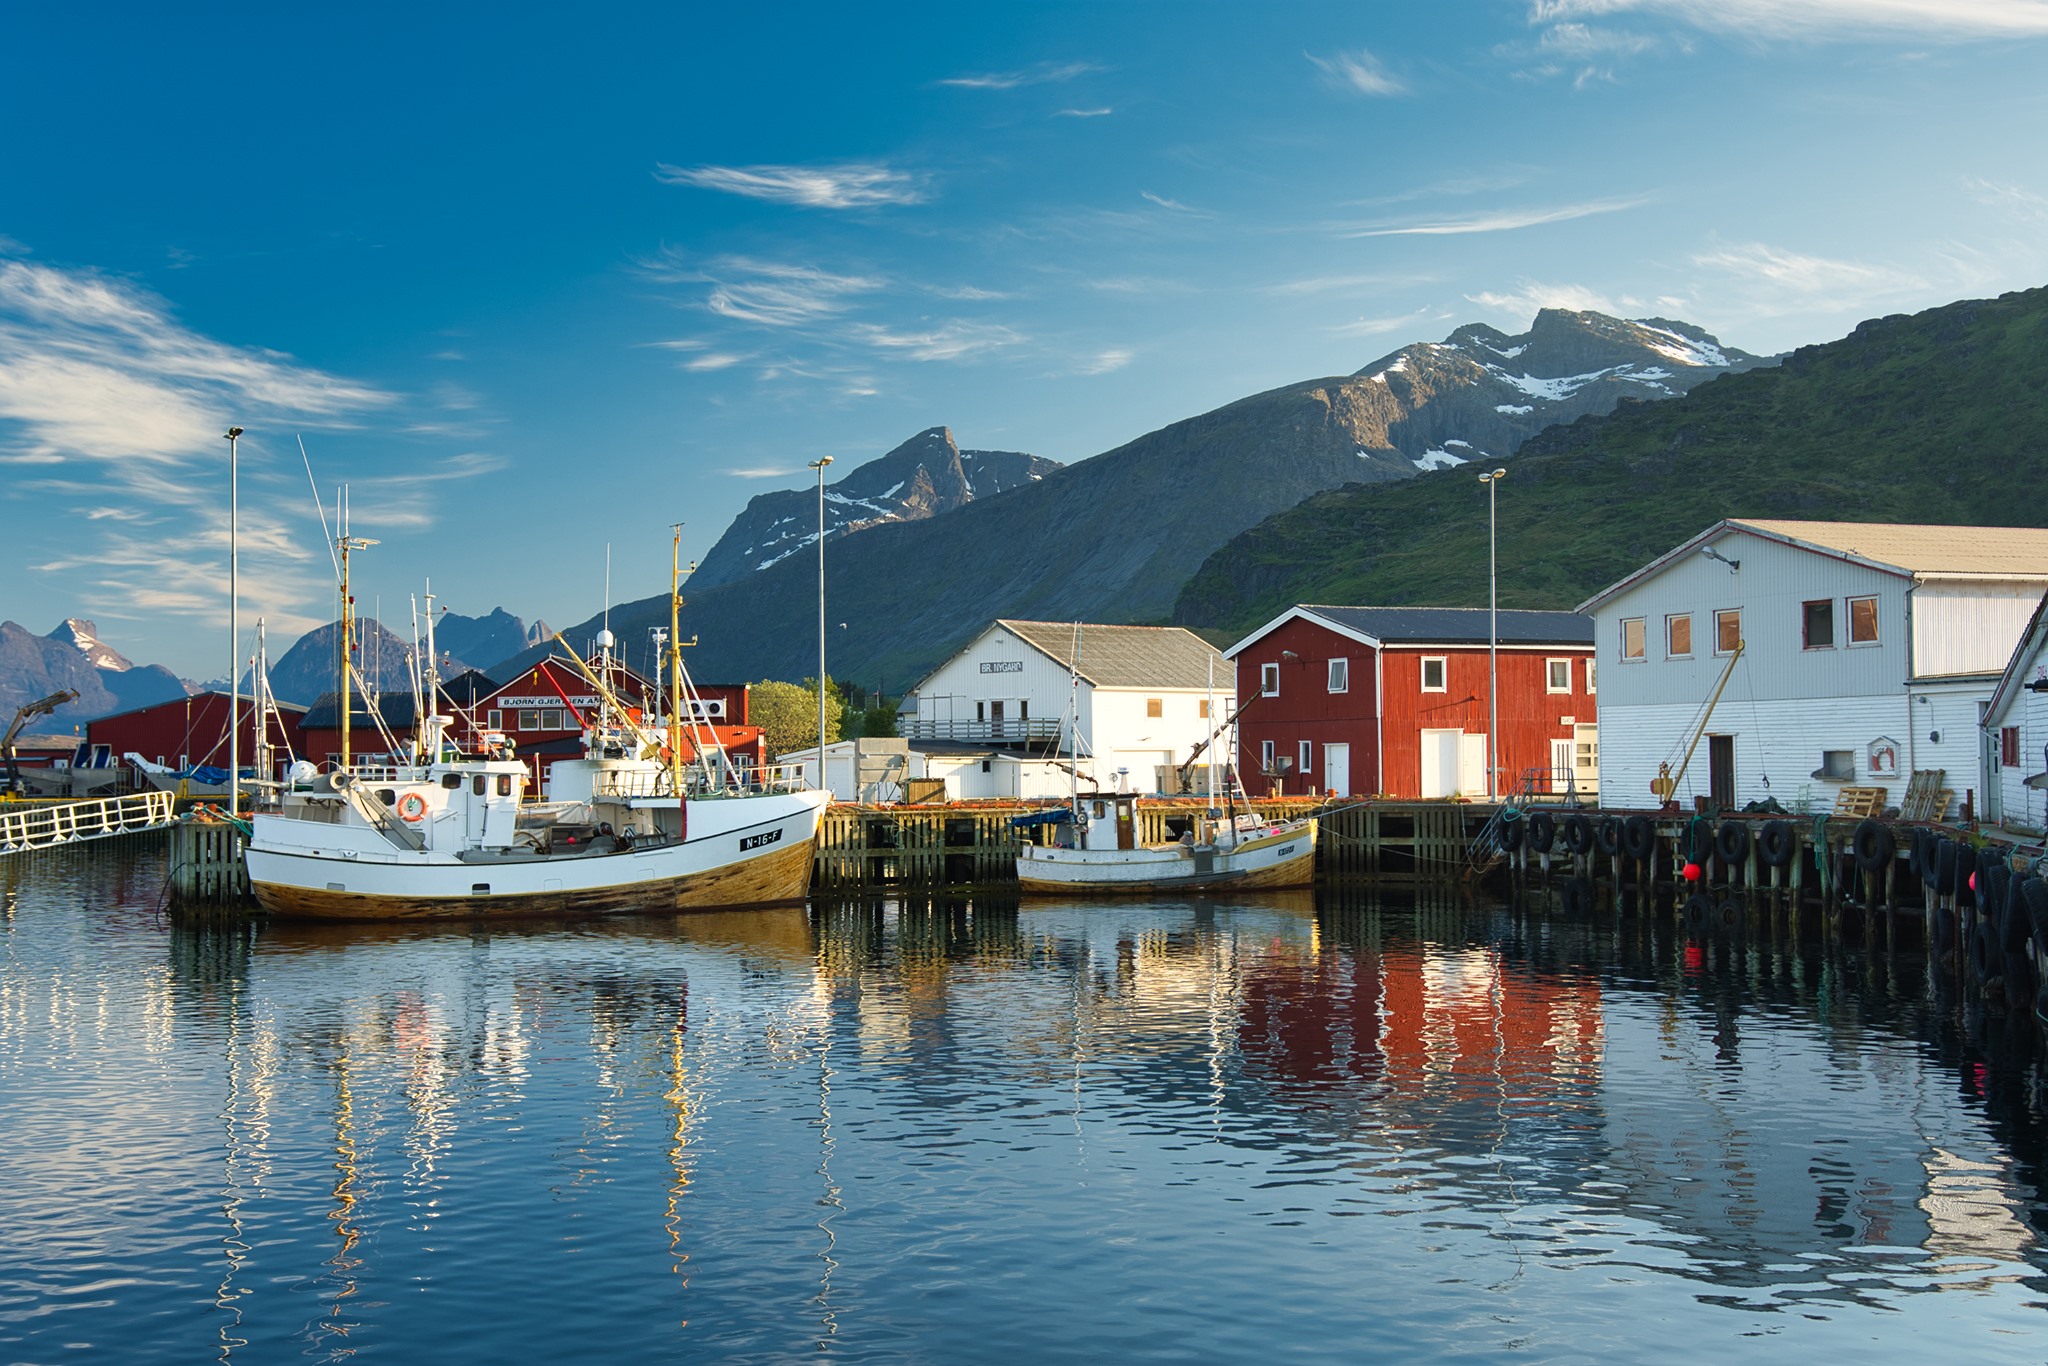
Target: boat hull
[1270,863]
[761,855]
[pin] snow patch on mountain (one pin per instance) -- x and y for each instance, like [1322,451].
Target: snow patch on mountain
[1437,458]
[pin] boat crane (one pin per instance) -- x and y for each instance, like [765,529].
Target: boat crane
[42,706]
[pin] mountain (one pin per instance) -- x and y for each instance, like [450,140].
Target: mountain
[1114,537]
[490,638]
[309,668]
[924,477]
[73,656]
[1940,416]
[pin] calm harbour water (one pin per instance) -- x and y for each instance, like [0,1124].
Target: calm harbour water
[1333,1130]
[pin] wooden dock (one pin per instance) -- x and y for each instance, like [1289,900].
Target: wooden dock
[28,826]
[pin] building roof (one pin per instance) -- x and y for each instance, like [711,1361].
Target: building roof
[1378,626]
[1127,656]
[2015,676]
[1911,550]
[285,708]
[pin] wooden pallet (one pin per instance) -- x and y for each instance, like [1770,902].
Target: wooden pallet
[1926,799]
[1858,802]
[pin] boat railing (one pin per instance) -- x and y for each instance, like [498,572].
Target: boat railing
[655,782]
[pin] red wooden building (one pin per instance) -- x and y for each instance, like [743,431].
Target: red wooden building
[1394,701]
[187,731]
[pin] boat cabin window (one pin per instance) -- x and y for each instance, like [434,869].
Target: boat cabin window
[387,795]
[451,781]
[504,784]
[1101,810]
[476,785]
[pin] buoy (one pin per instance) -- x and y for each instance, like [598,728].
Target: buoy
[1692,872]
[411,806]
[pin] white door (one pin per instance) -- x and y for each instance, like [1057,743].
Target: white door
[1562,761]
[1472,773]
[1337,769]
[1440,762]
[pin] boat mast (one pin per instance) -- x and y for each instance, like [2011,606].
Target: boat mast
[1074,736]
[675,657]
[346,543]
[260,691]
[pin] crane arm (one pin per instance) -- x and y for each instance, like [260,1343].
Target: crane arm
[42,706]
[1187,769]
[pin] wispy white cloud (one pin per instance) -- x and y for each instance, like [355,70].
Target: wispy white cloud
[1163,202]
[716,360]
[1336,284]
[1104,362]
[949,341]
[1507,220]
[969,293]
[1138,285]
[764,293]
[2015,201]
[1358,73]
[1530,297]
[852,185]
[1823,19]
[1793,272]
[1101,113]
[1044,73]
[1373,327]
[758,472]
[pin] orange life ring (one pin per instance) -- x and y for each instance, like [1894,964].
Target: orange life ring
[412,806]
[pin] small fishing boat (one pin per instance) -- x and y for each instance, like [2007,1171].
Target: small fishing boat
[1095,849]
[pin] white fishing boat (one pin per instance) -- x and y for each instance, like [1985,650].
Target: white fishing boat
[451,835]
[1095,850]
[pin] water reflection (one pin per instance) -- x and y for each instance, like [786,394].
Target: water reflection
[768,1133]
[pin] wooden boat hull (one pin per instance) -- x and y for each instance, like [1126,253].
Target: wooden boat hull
[775,879]
[1272,863]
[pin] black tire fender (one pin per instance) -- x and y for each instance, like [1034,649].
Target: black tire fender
[1777,844]
[1873,844]
[1542,832]
[1638,837]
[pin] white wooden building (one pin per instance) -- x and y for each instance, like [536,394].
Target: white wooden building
[1145,696]
[1869,651]
[2016,735]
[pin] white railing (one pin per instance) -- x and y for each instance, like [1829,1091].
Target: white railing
[45,826]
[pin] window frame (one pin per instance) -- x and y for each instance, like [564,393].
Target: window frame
[1443,681]
[1642,651]
[494,719]
[1340,674]
[1806,641]
[1876,629]
[529,718]
[1269,679]
[1672,620]
[1266,757]
[1591,691]
[1551,667]
[1305,756]
[2009,746]
[1719,613]
[1155,708]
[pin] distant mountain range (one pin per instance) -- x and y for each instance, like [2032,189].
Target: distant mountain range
[1941,417]
[1114,537]
[928,543]
[74,657]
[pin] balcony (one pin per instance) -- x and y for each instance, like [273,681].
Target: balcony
[1013,732]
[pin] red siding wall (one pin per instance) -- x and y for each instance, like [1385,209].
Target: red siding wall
[192,730]
[1530,716]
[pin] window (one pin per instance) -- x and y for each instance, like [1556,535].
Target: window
[1632,638]
[1202,709]
[504,784]
[1265,756]
[2009,746]
[1269,680]
[1307,755]
[1155,706]
[1863,621]
[1727,630]
[1837,766]
[1434,668]
[1678,636]
[529,719]
[1340,675]
[494,719]
[1557,675]
[1589,678]
[551,718]
[1817,625]
[476,785]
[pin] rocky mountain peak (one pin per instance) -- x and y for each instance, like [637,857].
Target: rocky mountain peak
[83,635]
[926,476]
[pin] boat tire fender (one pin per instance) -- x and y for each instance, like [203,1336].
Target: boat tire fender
[1542,831]
[1777,844]
[1638,837]
[1873,844]
[1731,842]
[1578,832]
[1608,832]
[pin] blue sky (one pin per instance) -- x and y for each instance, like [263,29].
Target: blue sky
[535,281]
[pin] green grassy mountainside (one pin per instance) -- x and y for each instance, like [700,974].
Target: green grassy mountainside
[1936,417]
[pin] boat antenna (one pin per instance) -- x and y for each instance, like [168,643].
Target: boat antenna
[320,508]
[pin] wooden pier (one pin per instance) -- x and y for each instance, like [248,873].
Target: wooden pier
[207,871]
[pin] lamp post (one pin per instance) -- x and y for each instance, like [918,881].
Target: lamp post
[819,465]
[233,437]
[1492,482]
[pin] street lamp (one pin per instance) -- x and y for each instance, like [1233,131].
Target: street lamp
[1492,482]
[819,465]
[233,436]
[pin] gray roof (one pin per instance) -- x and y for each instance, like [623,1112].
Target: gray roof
[1456,625]
[1128,656]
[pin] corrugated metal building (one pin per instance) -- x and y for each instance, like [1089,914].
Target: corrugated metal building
[1869,651]
[2016,735]
[1394,700]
